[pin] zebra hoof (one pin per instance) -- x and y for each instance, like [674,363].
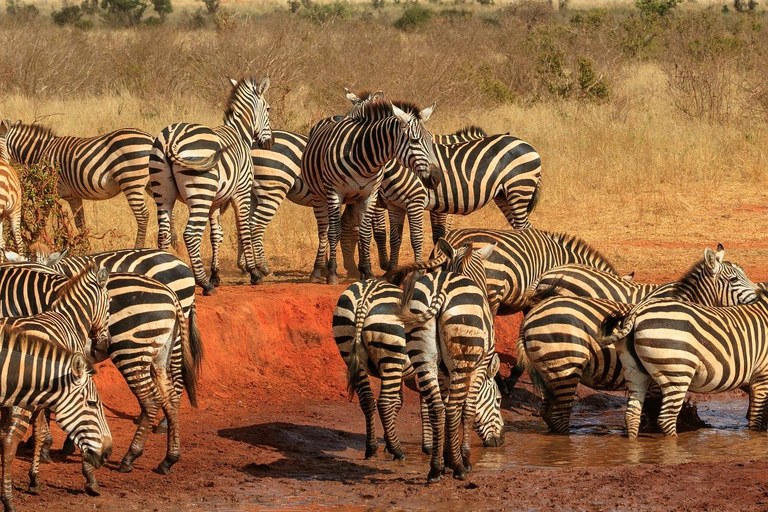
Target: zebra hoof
[400,455]
[332,279]
[460,472]
[255,277]
[162,427]
[92,489]
[33,489]
[427,450]
[164,467]
[435,475]
[316,278]
[208,289]
[370,452]
[45,455]
[69,447]
[125,467]
[215,279]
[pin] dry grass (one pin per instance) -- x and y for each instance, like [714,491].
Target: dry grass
[644,180]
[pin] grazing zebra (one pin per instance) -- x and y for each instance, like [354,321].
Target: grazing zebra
[77,317]
[151,345]
[371,340]
[40,374]
[91,168]
[499,168]
[448,324]
[10,202]
[521,256]
[342,162]
[208,167]
[558,337]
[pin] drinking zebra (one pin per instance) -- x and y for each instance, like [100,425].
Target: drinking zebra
[683,347]
[10,201]
[208,167]
[342,163]
[521,256]
[150,345]
[90,168]
[558,336]
[54,378]
[371,340]
[77,321]
[448,324]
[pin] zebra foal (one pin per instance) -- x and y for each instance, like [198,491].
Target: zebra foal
[40,374]
[90,168]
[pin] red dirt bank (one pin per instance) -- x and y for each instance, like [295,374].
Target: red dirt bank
[275,429]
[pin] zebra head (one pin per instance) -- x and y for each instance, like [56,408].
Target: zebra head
[81,414]
[414,144]
[248,111]
[360,100]
[5,127]
[489,424]
[466,260]
[85,300]
[716,282]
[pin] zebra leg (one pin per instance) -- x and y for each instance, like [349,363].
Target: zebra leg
[426,428]
[389,404]
[440,223]
[672,400]
[514,206]
[142,386]
[416,227]
[42,436]
[15,221]
[368,405]
[561,403]
[364,233]
[76,205]
[320,208]
[135,194]
[242,205]
[349,235]
[170,402]
[12,432]
[758,393]
[379,223]
[468,418]
[217,236]
[453,419]
[396,222]
[263,209]
[193,235]
[165,229]
[334,232]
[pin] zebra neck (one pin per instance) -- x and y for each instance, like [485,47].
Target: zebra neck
[31,150]
[375,145]
[78,315]
[244,131]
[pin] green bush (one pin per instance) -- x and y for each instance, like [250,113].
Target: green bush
[67,15]
[163,8]
[20,9]
[656,7]
[122,13]
[592,86]
[320,14]
[413,17]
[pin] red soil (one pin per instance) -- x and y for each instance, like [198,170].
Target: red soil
[275,428]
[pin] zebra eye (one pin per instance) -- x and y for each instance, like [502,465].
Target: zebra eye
[92,403]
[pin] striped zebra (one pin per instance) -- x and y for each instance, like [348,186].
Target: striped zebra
[499,168]
[342,163]
[77,321]
[448,324]
[208,167]
[90,168]
[40,374]
[558,337]
[689,347]
[10,201]
[371,340]
[151,345]
[521,256]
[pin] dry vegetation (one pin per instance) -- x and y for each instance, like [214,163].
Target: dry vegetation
[651,129]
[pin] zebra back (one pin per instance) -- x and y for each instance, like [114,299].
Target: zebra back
[577,280]
[463,135]
[520,257]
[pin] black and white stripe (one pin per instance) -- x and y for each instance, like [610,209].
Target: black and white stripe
[90,168]
[342,163]
[207,168]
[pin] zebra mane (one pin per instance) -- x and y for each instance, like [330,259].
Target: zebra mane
[75,280]
[382,109]
[27,342]
[471,131]
[38,130]
[365,94]
[229,106]
[689,279]
[582,247]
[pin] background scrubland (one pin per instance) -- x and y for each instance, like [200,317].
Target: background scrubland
[651,125]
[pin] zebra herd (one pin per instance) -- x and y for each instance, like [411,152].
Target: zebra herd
[432,321]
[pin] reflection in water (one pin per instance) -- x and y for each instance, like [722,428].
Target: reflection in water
[597,439]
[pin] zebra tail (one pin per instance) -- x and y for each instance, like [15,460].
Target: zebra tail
[357,352]
[535,198]
[412,320]
[192,354]
[198,163]
[524,364]
[616,326]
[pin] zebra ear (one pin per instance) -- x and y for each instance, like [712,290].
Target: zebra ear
[377,95]
[102,276]
[628,278]
[14,257]
[712,261]
[233,82]
[444,247]
[720,252]
[79,366]
[401,115]
[5,127]
[53,258]
[485,252]
[425,114]
[493,366]
[352,97]
[264,85]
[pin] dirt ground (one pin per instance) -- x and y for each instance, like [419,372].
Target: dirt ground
[275,430]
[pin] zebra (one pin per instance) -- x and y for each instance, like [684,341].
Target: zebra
[683,347]
[448,323]
[208,167]
[521,256]
[10,201]
[342,162]
[151,346]
[77,318]
[499,168]
[54,378]
[371,340]
[558,337]
[90,168]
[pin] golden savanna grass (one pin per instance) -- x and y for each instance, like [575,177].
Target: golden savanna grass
[671,159]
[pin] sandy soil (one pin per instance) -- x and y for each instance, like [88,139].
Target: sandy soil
[275,429]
